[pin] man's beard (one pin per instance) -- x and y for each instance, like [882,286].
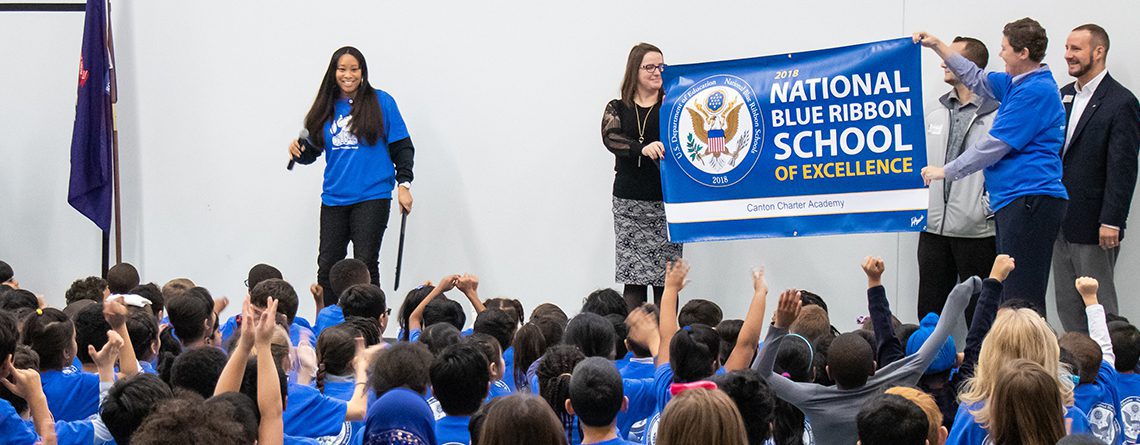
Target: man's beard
[1083,68]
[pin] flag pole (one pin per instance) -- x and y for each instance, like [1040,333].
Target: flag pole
[115,141]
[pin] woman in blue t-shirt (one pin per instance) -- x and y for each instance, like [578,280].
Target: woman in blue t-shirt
[368,152]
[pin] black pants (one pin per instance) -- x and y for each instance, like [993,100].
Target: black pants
[362,223]
[945,261]
[1026,229]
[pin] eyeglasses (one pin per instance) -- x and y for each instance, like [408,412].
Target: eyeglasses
[650,68]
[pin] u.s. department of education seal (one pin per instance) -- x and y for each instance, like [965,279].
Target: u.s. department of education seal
[718,131]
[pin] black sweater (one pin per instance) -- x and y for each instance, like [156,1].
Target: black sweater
[636,176]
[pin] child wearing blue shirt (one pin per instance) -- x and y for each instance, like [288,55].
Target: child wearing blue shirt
[596,398]
[1126,348]
[460,376]
[1096,394]
[343,275]
[22,383]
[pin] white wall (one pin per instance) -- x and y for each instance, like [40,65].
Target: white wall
[503,100]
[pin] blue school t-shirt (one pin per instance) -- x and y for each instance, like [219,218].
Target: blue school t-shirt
[329,316]
[509,367]
[340,388]
[498,388]
[300,326]
[967,431]
[1100,402]
[81,432]
[614,441]
[1128,389]
[622,362]
[13,429]
[71,394]
[1031,120]
[642,401]
[453,430]
[308,413]
[355,171]
[638,368]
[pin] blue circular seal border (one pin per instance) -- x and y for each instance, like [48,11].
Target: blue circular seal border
[677,152]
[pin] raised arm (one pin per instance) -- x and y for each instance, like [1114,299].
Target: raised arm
[1098,325]
[984,314]
[955,303]
[25,383]
[232,373]
[116,315]
[675,274]
[749,337]
[643,329]
[968,73]
[271,430]
[105,358]
[358,404]
[468,284]
[786,312]
[415,320]
[888,348]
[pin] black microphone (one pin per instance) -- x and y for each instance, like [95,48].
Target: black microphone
[302,141]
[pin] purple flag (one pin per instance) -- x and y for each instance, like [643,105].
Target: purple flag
[90,188]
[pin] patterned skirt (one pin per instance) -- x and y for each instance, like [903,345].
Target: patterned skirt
[642,244]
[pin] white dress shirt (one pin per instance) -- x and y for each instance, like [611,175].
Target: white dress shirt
[1080,101]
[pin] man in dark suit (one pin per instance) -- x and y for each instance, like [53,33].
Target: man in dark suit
[1102,137]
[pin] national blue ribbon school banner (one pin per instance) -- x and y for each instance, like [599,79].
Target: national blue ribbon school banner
[814,143]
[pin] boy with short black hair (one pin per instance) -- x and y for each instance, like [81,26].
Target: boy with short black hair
[366,301]
[699,311]
[121,278]
[889,419]
[344,274]
[129,401]
[1096,392]
[198,369]
[1126,347]
[460,377]
[286,296]
[596,398]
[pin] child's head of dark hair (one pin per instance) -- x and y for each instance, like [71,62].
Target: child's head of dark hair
[728,331]
[813,323]
[439,336]
[191,421]
[261,272]
[336,347]
[18,300]
[592,334]
[1080,439]
[475,424]
[850,360]
[90,329]
[198,370]
[9,336]
[6,272]
[369,328]
[52,335]
[694,353]
[552,327]
[498,324]
[529,344]
[237,406]
[520,418]
[699,311]
[90,288]
[796,358]
[511,306]
[411,300]
[129,401]
[249,381]
[809,298]
[554,374]
[753,398]
[460,376]
[1018,303]
[122,277]
[347,273]
[490,349]
[550,310]
[142,327]
[1086,353]
[621,331]
[281,290]
[152,293]
[444,310]
[820,348]
[191,313]
[604,302]
[364,300]
[1125,344]
[596,392]
[403,364]
[888,419]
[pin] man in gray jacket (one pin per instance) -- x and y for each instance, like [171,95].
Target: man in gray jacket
[959,238]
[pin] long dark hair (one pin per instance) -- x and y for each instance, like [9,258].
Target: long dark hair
[629,81]
[367,121]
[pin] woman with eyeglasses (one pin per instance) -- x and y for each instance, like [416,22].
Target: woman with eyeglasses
[631,131]
[367,153]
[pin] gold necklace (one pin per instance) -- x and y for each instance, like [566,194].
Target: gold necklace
[640,124]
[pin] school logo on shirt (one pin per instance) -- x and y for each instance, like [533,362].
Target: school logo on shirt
[341,134]
[436,408]
[719,131]
[1102,421]
[1130,417]
[651,430]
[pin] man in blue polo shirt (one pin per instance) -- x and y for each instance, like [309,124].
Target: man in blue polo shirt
[1020,155]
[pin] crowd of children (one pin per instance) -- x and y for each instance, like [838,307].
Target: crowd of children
[126,362]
